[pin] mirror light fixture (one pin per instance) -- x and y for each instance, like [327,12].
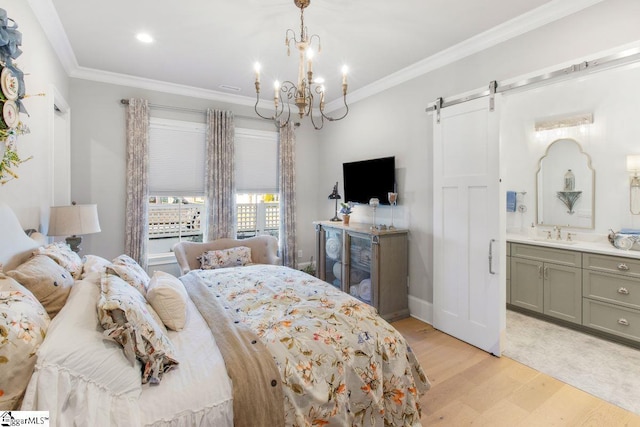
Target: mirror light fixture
[303,93]
[73,221]
[633,165]
[564,122]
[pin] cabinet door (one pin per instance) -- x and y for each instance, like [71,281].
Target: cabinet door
[359,268]
[333,249]
[563,292]
[389,275]
[527,284]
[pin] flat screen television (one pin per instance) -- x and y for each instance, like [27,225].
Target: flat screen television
[366,179]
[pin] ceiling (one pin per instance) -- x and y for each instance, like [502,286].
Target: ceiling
[205,46]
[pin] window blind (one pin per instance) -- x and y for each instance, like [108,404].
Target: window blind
[177,152]
[256,161]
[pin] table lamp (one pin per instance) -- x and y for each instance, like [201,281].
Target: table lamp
[335,196]
[73,221]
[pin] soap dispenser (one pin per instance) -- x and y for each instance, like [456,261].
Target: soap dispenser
[533,231]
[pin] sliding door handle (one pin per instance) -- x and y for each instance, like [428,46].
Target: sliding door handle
[491,256]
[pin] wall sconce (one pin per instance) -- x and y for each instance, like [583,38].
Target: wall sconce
[633,165]
[335,196]
[73,221]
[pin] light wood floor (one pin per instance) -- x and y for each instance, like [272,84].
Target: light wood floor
[471,387]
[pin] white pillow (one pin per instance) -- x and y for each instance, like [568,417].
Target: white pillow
[168,297]
[94,263]
[75,349]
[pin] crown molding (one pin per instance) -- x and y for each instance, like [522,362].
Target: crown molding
[161,86]
[522,24]
[545,14]
[49,20]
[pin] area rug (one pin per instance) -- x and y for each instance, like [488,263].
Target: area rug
[599,367]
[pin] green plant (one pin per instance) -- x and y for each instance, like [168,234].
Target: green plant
[309,268]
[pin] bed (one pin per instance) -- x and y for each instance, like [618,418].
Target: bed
[259,344]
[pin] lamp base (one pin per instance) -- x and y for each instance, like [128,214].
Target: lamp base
[335,219]
[74,243]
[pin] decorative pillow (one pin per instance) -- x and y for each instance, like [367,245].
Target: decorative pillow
[168,297]
[92,264]
[231,257]
[131,272]
[49,282]
[127,319]
[23,325]
[61,253]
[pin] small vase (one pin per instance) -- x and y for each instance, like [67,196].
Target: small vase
[345,219]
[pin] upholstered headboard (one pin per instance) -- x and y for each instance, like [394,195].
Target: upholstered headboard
[264,250]
[15,245]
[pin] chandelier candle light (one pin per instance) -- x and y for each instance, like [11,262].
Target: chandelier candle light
[304,92]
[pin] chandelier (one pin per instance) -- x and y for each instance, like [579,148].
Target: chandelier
[306,91]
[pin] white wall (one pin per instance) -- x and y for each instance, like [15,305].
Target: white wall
[394,122]
[614,98]
[31,195]
[390,123]
[98,159]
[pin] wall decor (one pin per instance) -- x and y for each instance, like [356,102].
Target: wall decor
[12,92]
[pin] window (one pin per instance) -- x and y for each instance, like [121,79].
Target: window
[176,183]
[257,199]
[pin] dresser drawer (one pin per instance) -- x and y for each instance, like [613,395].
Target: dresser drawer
[617,320]
[612,264]
[541,253]
[611,288]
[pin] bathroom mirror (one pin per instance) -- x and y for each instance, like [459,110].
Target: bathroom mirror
[565,186]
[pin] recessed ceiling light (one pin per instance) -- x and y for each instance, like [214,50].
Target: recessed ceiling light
[229,87]
[144,38]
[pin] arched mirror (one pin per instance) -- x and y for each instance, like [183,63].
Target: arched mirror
[565,186]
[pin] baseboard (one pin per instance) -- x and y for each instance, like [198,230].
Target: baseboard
[421,309]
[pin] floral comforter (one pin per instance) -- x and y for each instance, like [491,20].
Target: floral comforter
[340,363]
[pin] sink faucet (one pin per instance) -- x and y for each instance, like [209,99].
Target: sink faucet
[558,231]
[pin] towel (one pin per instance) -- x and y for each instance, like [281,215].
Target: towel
[511,201]
[629,231]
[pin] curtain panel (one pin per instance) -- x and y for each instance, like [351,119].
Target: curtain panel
[137,213]
[287,167]
[220,176]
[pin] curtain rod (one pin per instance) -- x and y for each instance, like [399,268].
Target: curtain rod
[124,101]
[615,60]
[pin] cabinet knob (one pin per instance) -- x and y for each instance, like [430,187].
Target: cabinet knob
[623,321]
[623,267]
[623,291]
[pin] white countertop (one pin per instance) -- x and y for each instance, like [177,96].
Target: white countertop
[601,246]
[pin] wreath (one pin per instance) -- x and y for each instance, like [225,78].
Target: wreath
[11,94]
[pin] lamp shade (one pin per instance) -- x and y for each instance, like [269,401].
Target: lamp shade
[73,220]
[633,162]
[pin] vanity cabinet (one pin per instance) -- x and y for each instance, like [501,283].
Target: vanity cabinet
[371,265]
[611,295]
[547,280]
[597,291]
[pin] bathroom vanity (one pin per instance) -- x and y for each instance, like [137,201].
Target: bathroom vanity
[591,286]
